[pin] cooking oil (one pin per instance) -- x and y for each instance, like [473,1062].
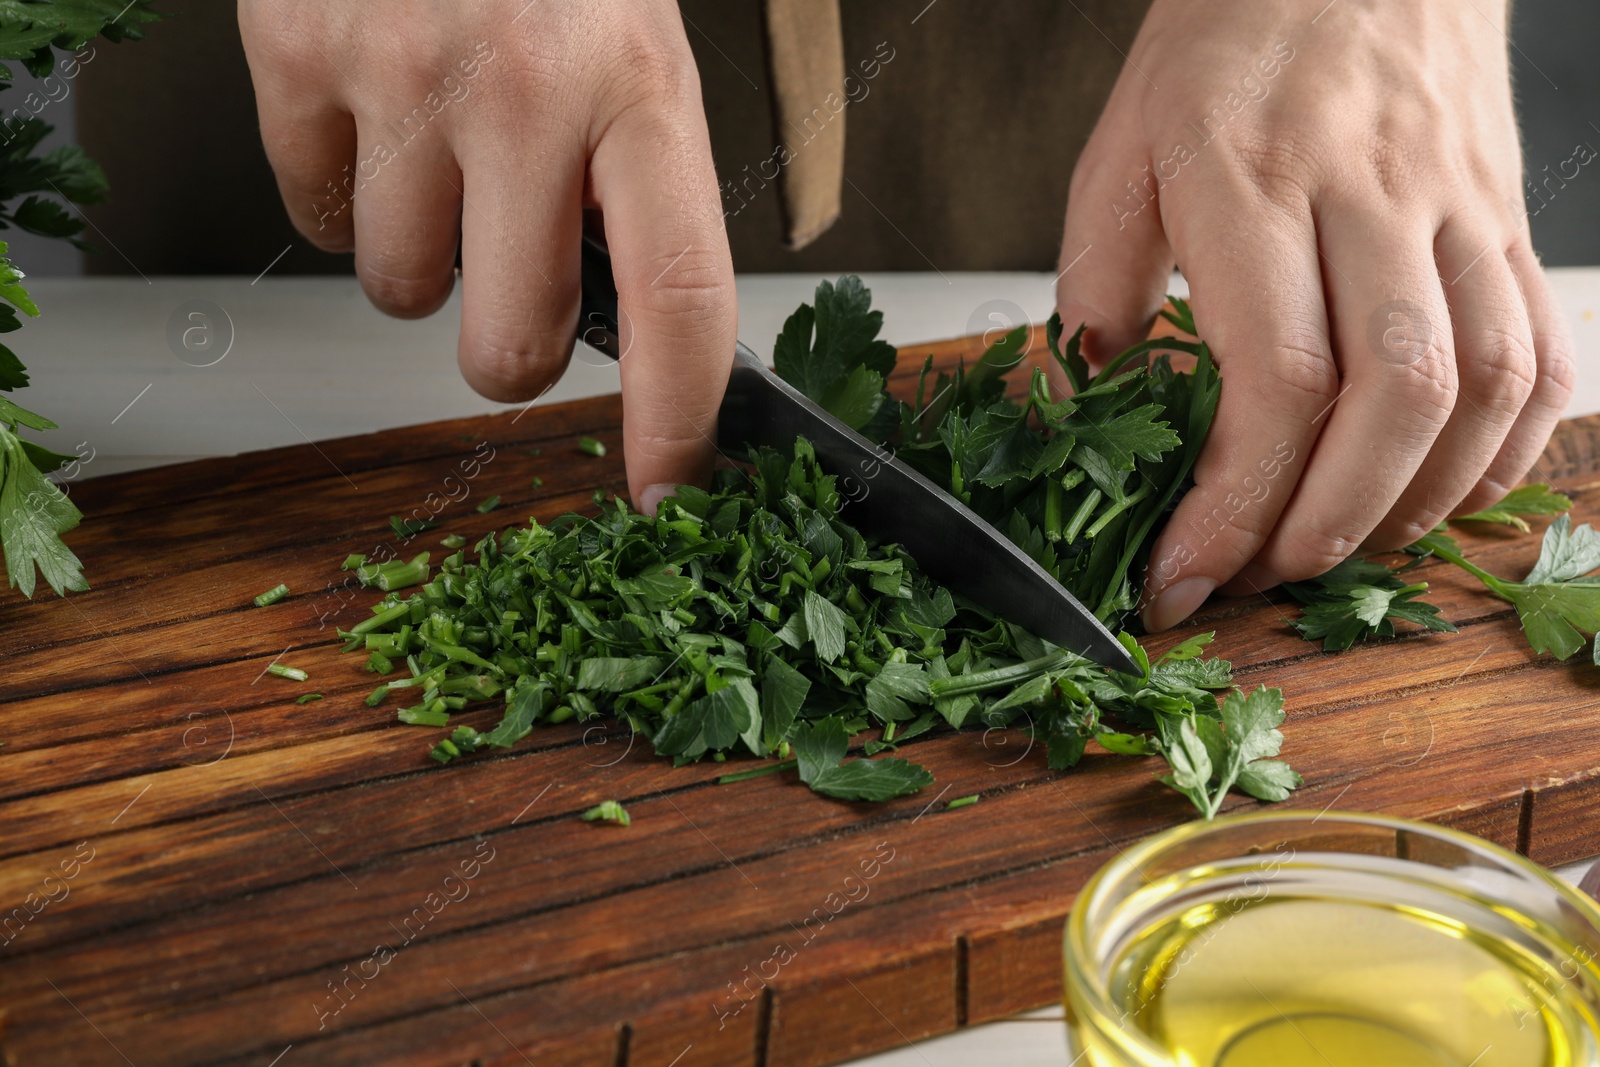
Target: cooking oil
[1327,982]
[1334,960]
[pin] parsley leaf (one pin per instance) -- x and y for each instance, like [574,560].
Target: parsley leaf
[831,353]
[1565,553]
[819,746]
[1557,603]
[34,513]
[1525,500]
[1209,757]
[1359,599]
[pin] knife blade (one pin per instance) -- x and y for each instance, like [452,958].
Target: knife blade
[880,493]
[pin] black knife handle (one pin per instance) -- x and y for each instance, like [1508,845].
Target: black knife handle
[597,304]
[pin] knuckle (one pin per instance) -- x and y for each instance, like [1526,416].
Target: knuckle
[671,436]
[697,282]
[1279,167]
[1305,370]
[1427,387]
[1389,167]
[275,43]
[1311,550]
[513,368]
[1407,142]
[647,69]
[405,295]
[1502,373]
[1557,375]
[537,77]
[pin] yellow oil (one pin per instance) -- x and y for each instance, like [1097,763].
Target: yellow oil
[1301,978]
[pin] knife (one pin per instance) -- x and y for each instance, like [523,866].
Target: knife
[949,542]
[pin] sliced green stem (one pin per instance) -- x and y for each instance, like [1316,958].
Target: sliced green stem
[1013,675]
[757,772]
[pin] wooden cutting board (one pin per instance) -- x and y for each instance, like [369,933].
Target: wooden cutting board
[196,869]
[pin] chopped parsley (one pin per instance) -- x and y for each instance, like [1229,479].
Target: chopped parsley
[610,811]
[272,596]
[752,618]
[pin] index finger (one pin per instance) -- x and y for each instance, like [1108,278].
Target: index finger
[1256,290]
[652,176]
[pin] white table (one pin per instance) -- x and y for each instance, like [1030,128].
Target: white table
[334,366]
[311,359]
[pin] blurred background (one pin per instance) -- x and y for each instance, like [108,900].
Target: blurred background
[172,119]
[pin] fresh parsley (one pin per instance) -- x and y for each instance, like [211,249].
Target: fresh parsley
[34,512]
[820,746]
[1208,757]
[1557,602]
[1359,599]
[1521,502]
[753,618]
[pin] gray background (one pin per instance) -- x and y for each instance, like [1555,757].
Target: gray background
[1557,77]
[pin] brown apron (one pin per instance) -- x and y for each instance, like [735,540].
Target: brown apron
[872,134]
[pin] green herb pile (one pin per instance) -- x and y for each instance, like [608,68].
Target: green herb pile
[34,512]
[752,619]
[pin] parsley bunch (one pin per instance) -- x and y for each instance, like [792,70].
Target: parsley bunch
[753,619]
[34,512]
[1079,483]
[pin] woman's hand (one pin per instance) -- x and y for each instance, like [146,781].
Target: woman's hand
[399,129]
[1342,188]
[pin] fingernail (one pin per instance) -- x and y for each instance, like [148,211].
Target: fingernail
[654,495]
[1177,603]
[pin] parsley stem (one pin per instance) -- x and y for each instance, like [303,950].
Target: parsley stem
[757,772]
[1117,508]
[1497,586]
[294,674]
[1015,674]
[272,596]
[1081,516]
[1155,344]
[395,574]
[382,618]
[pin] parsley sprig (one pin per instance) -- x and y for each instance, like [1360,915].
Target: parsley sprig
[1558,602]
[1358,599]
[34,512]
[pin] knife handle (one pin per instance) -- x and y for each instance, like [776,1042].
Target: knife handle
[597,303]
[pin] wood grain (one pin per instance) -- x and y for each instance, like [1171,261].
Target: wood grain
[252,878]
